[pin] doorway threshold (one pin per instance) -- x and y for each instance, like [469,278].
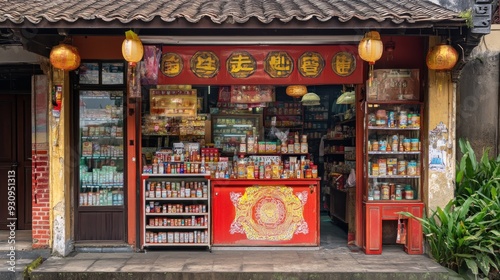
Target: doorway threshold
[102,246]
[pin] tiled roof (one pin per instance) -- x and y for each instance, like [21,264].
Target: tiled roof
[221,11]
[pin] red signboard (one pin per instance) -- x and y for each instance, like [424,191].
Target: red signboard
[261,65]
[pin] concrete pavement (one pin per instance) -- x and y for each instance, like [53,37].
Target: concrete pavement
[242,264]
[332,260]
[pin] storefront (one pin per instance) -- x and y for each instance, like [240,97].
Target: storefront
[116,126]
[227,158]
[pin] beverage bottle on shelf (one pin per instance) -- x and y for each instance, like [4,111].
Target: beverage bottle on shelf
[241,168]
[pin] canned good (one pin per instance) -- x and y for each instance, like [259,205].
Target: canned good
[412,168]
[403,119]
[385,191]
[407,144]
[415,120]
[399,192]
[402,167]
[375,169]
[409,194]
[414,144]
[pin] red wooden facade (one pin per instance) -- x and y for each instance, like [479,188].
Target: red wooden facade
[265,212]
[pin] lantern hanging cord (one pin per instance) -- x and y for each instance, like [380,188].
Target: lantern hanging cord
[463,53]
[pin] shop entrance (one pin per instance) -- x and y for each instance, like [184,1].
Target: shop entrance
[15,159]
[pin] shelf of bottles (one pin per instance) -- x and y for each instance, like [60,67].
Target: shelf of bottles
[283,115]
[101,156]
[393,146]
[176,210]
[228,131]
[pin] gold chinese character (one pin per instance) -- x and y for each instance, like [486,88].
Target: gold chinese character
[241,64]
[171,64]
[343,63]
[311,64]
[278,64]
[205,64]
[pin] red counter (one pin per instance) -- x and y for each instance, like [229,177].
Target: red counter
[376,212]
[265,212]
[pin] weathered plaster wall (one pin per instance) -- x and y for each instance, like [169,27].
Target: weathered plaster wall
[478,102]
[439,160]
[59,145]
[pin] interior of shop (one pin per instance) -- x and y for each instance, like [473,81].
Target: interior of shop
[326,125]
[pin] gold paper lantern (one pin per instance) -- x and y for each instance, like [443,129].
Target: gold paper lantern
[132,48]
[370,49]
[442,57]
[65,57]
[296,90]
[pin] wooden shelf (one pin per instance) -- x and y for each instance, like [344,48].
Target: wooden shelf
[177,214]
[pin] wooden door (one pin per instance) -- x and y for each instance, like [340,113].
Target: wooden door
[15,158]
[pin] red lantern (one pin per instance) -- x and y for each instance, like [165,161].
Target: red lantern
[65,57]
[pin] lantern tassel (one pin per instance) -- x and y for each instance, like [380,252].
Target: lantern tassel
[370,74]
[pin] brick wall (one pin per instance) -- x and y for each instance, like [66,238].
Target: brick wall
[41,199]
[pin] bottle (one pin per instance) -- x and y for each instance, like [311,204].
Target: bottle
[241,168]
[385,191]
[261,170]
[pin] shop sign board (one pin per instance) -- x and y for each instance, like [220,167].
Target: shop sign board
[261,65]
[394,84]
[173,103]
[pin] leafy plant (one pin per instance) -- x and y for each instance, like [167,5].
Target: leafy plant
[467,15]
[476,176]
[465,237]
[465,234]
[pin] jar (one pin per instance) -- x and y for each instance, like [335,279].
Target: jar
[415,120]
[382,145]
[412,168]
[390,119]
[376,194]
[375,169]
[284,148]
[407,144]
[375,146]
[403,119]
[401,167]
[408,192]
[385,191]
[392,191]
[414,144]
[399,192]
[395,143]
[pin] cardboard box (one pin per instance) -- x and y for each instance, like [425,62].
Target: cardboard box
[394,84]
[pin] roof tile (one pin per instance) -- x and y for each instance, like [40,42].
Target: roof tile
[220,11]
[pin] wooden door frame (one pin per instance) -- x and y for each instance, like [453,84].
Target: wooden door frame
[23,154]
